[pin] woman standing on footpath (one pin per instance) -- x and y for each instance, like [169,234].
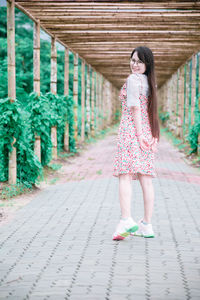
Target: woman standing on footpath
[138,135]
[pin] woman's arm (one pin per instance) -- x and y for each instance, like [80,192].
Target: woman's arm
[136,112]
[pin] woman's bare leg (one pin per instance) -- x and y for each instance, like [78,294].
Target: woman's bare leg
[148,196]
[125,192]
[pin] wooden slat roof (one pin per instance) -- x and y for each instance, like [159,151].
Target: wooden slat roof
[105,33]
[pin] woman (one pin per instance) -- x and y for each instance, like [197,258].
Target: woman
[138,135]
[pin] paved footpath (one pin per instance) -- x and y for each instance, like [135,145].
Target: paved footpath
[59,245]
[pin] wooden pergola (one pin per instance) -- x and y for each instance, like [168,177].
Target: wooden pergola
[105,33]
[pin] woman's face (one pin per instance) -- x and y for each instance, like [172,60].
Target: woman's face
[136,65]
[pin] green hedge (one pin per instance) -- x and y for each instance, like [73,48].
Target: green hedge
[23,122]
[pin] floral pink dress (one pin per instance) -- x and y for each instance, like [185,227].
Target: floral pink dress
[130,158]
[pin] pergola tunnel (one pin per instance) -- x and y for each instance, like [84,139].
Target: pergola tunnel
[89,104]
[76,78]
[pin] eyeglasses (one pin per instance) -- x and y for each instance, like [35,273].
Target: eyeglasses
[138,62]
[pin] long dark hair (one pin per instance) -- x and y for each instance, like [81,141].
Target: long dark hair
[146,56]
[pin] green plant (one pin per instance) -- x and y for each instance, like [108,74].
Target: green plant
[117,115]
[164,116]
[15,124]
[13,190]
[193,134]
[40,116]
[54,167]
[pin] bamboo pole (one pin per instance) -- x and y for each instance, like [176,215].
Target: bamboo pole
[53,66]
[187,98]
[198,99]
[12,165]
[113,103]
[66,93]
[36,78]
[88,102]
[92,107]
[102,101]
[181,100]
[106,104]
[54,91]
[75,96]
[66,72]
[97,100]
[193,92]
[36,57]
[83,100]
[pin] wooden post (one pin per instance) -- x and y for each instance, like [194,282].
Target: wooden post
[181,100]
[54,141]
[177,103]
[97,101]
[193,92]
[66,93]
[54,91]
[36,77]
[105,103]
[198,99]
[83,101]
[102,101]
[75,96]
[92,107]
[36,57]
[66,72]
[88,102]
[113,104]
[187,98]
[53,66]
[12,165]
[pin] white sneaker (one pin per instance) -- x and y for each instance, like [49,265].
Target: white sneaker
[144,230]
[124,229]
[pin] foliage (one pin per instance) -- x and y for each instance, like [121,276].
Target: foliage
[14,190]
[14,123]
[54,167]
[40,115]
[164,116]
[24,59]
[117,115]
[193,134]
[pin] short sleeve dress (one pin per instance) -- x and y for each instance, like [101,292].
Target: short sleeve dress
[129,157]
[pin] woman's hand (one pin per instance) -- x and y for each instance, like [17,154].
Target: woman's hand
[153,144]
[144,145]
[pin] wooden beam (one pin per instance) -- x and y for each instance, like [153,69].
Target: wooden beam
[113,4]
